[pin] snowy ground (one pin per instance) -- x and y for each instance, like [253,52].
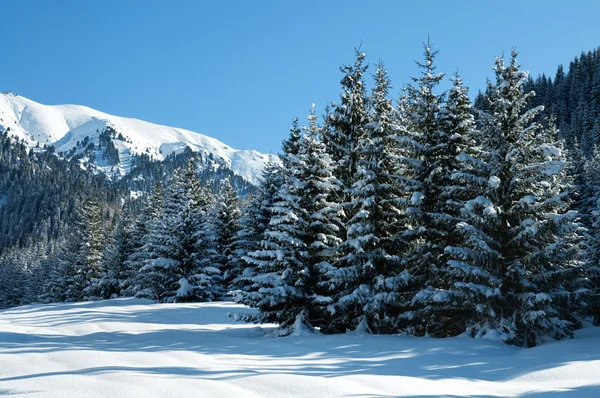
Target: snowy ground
[129,348]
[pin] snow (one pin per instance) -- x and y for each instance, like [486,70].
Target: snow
[184,288]
[527,200]
[416,198]
[494,182]
[488,206]
[64,125]
[551,150]
[131,348]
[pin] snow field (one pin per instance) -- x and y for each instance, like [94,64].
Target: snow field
[133,348]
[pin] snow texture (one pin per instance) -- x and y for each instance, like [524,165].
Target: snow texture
[131,348]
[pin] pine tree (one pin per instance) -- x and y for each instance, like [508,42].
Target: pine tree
[319,188]
[12,279]
[588,187]
[81,265]
[148,220]
[427,170]
[277,287]
[589,287]
[254,219]
[346,123]
[115,273]
[176,270]
[299,243]
[225,225]
[535,234]
[463,292]
[91,245]
[365,274]
[291,145]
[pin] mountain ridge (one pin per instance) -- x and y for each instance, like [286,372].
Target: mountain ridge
[64,126]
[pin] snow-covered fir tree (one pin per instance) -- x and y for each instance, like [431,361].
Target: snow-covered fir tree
[346,123]
[300,240]
[148,220]
[319,189]
[365,276]
[81,266]
[254,220]
[225,226]
[176,270]
[115,275]
[463,291]
[533,230]
[279,262]
[291,145]
[13,277]
[431,221]
[588,186]
[589,292]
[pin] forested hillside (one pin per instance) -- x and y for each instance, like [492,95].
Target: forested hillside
[41,199]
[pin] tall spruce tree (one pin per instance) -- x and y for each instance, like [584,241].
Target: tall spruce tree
[225,226]
[81,265]
[176,270]
[300,240]
[533,230]
[430,225]
[346,123]
[148,220]
[115,273]
[277,286]
[318,193]
[370,257]
[254,220]
[462,293]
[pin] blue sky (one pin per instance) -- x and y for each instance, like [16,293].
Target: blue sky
[240,71]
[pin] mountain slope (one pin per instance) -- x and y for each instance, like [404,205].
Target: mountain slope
[65,125]
[132,348]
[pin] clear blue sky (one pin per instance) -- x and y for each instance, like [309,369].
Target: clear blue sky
[241,70]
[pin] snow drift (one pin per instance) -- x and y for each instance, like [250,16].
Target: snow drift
[132,348]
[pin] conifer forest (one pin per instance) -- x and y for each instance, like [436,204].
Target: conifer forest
[424,210]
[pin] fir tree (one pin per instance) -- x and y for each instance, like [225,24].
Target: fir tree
[535,234]
[254,219]
[365,274]
[82,265]
[318,191]
[115,276]
[225,226]
[277,287]
[175,271]
[427,169]
[463,292]
[147,221]
[346,123]
[300,240]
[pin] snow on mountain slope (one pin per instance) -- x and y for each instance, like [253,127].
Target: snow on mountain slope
[132,348]
[64,125]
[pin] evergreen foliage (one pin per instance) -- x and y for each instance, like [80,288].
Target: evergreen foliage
[433,217]
[176,270]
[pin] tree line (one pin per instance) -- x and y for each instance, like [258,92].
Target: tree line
[424,215]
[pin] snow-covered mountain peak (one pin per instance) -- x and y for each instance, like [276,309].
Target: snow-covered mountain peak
[65,125]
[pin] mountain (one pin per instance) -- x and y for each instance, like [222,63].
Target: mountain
[66,127]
